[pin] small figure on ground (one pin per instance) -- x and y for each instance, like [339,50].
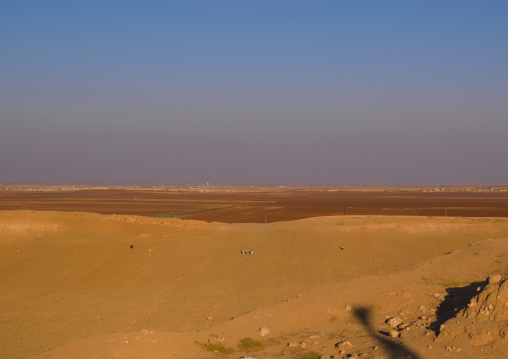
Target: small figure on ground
[251,252]
[243,251]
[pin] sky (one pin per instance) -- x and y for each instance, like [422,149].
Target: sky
[284,92]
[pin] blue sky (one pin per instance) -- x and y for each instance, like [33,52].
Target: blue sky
[254,92]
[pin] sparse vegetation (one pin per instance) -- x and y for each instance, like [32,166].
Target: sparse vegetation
[247,344]
[309,355]
[216,347]
[485,220]
[168,215]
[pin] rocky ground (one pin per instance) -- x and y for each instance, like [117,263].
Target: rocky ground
[80,285]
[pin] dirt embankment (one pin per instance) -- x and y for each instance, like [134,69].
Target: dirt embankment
[169,283]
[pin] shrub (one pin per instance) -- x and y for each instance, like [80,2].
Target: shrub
[309,355]
[250,344]
[219,348]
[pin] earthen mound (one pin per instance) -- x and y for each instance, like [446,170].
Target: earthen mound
[485,318]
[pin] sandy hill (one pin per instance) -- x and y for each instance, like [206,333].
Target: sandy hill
[81,285]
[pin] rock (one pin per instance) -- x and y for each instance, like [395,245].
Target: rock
[324,357]
[345,345]
[293,345]
[393,322]
[348,307]
[494,279]
[394,334]
[422,308]
[484,319]
[263,331]
[480,338]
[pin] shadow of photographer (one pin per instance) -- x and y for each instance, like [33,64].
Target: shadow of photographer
[395,349]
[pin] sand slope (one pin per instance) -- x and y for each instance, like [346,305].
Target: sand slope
[65,276]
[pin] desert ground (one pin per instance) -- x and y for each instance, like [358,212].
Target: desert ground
[367,274]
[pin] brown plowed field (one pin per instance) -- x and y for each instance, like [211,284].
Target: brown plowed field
[262,205]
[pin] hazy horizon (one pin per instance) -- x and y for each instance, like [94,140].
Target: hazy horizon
[254,93]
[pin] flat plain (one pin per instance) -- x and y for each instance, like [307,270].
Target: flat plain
[260,204]
[152,273]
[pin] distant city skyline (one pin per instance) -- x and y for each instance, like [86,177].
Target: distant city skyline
[254,93]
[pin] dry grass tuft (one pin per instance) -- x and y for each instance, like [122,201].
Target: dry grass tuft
[217,348]
[247,344]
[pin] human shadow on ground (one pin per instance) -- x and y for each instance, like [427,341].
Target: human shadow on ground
[457,299]
[397,350]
